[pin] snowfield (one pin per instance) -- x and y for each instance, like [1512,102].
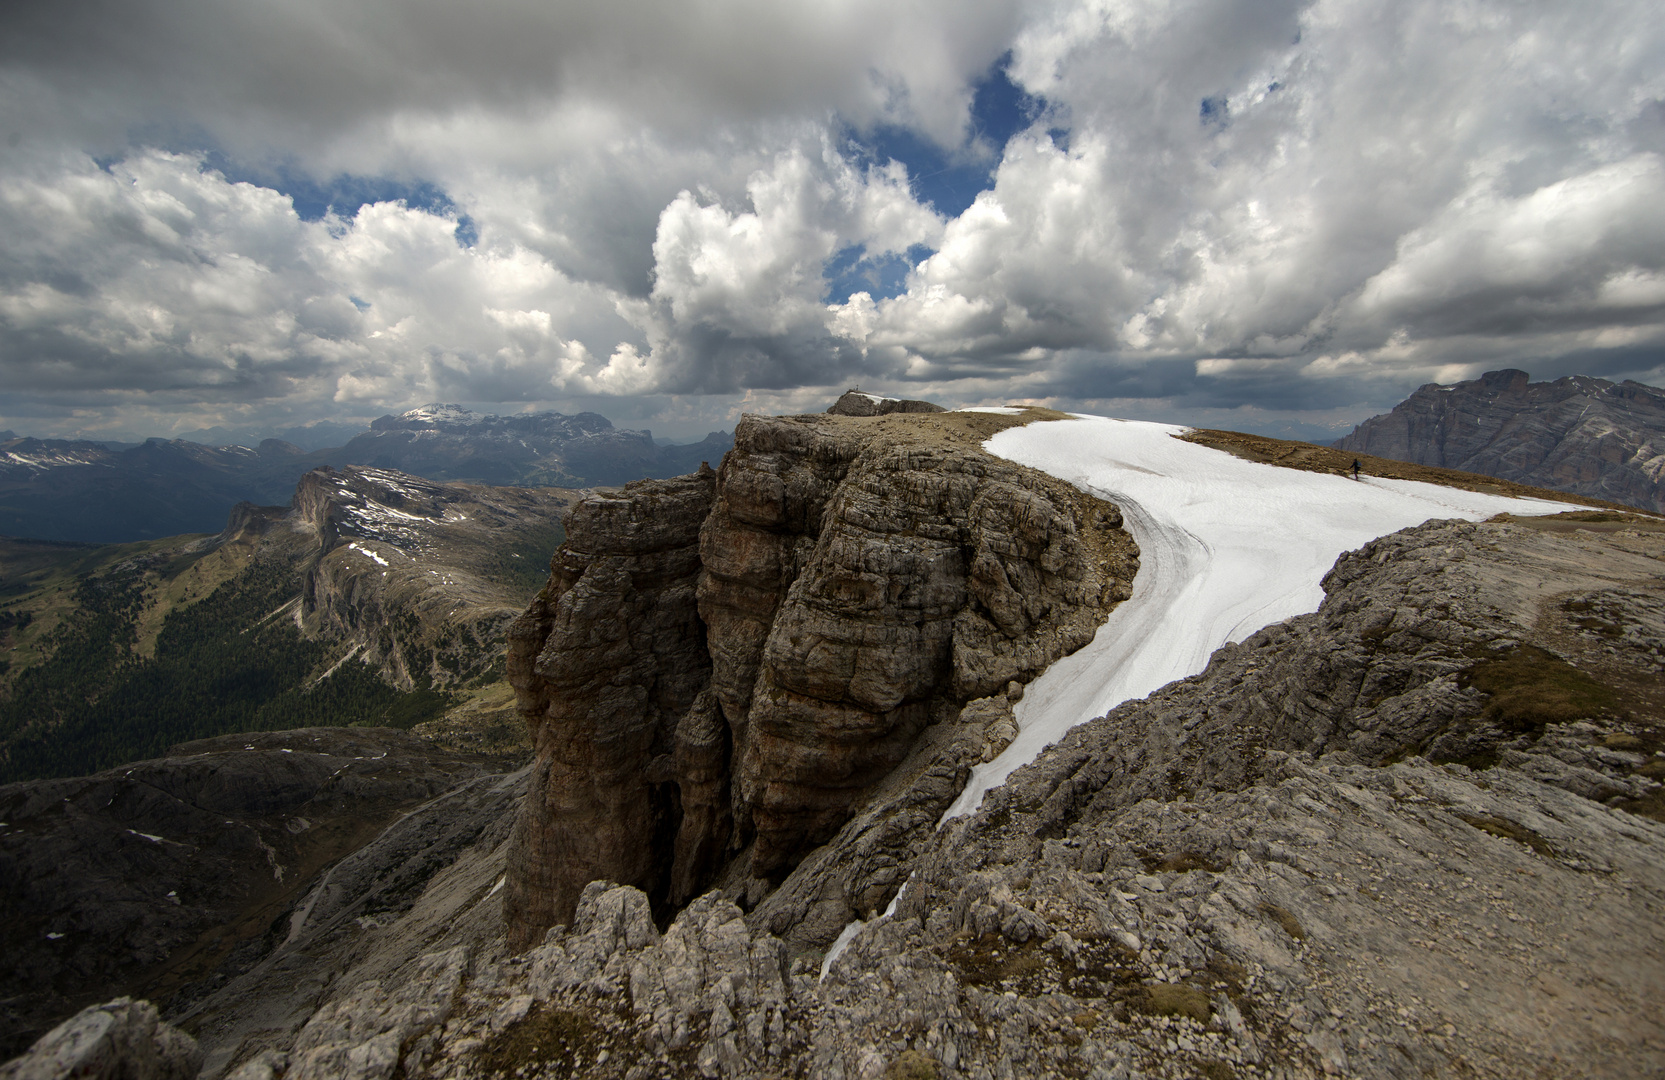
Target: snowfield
[1227,547]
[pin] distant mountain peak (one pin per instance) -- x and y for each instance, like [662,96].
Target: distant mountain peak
[1579,433]
[435,412]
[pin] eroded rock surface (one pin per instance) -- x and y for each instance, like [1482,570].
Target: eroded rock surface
[723,667]
[608,662]
[1578,434]
[119,1040]
[857,589]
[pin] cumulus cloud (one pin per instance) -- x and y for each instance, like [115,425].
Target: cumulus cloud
[1287,207]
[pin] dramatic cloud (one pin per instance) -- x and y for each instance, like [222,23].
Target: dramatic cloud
[1260,213]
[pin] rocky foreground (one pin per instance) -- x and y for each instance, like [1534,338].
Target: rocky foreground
[1412,834]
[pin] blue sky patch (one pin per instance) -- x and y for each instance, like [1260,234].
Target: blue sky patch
[851,271]
[346,193]
[949,179]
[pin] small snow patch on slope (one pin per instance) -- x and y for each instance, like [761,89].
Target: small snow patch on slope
[1227,547]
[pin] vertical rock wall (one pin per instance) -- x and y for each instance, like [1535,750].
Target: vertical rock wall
[607,662]
[853,581]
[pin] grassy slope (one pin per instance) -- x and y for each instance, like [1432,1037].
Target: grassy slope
[115,653]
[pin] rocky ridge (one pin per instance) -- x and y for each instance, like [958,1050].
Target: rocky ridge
[724,666]
[1579,434]
[1261,871]
[416,577]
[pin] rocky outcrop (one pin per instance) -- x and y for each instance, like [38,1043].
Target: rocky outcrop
[1260,870]
[119,1040]
[857,581]
[1263,870]
[608,663]
[1579,434]
[856,403]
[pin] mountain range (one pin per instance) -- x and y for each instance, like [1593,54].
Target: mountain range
[77,490]
[374,597]
[1578,434]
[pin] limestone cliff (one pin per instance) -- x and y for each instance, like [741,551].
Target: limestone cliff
[608,663]
[722,667]
[415,577]
[1579,434]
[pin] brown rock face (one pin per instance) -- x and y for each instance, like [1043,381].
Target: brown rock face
[858,588]
[857,580]
[1579,434]
[606,663]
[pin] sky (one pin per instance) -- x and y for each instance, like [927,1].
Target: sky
[1258,214]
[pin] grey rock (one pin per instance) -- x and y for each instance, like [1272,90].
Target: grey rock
[712,711]
[606,663]
[1580,434]
[118,1040]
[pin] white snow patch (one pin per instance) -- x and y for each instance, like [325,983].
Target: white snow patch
[1227,547]
[53,937]
[998,410]
[851,929]
[437,413]
[147,836]
[369,553]
[499,885]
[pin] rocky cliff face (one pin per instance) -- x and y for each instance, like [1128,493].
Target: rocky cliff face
[608,662]
[1578,434]
[722,668]
[419,578]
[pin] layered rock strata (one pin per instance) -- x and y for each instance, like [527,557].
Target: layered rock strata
[418,577]
[608,662]
[1579,434]
[854,582]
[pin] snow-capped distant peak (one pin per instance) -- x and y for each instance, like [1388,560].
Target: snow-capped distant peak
[437,413]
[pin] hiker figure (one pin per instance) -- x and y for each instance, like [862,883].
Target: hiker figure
[1355,468]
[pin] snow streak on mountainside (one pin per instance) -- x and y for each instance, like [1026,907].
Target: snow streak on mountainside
[1227,547]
